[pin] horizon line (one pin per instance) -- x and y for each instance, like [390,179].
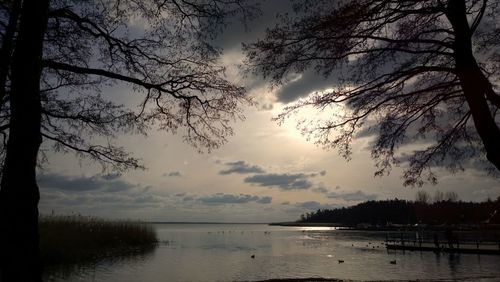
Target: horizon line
[204,222]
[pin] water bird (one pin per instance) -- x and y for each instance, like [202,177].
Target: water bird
[393,261]
[341,261]
[252,256]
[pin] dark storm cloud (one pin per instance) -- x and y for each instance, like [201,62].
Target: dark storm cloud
[310,81]
[221,198]
[81,183]
[367,131]
[352,196]
[298,181]
[111,176]
[240,167]
[237,32]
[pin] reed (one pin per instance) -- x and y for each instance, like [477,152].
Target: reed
[76,238]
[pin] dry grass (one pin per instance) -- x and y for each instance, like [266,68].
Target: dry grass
[75,239]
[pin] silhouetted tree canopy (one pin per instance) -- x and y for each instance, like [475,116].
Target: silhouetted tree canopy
[404,70]
[408,212]
[156,48]
[59,60]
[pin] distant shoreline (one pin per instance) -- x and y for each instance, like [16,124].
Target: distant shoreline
[339,226]
[309,224]
[287,223]
[205,222]
[395,227]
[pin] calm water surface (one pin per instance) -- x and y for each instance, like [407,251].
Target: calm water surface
[222,252]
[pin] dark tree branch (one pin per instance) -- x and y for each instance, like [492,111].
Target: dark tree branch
[112,75]
[479,17]
[405,66]
[105,154]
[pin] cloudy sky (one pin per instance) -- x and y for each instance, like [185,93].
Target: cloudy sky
[264,173]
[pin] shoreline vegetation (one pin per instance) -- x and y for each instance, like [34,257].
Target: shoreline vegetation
[77,239]
[402,214]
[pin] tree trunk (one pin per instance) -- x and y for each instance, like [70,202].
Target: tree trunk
[473,81]
[19,195]
[6,49]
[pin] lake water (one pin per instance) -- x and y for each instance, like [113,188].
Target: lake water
[222,252]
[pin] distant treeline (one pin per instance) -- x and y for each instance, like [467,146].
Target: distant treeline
[409,212]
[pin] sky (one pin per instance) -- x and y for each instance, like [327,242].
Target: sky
[265,173]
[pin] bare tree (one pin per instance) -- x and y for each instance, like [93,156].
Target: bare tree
[56,57]
[406,70]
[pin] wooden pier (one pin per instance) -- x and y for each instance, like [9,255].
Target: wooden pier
[434,242]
